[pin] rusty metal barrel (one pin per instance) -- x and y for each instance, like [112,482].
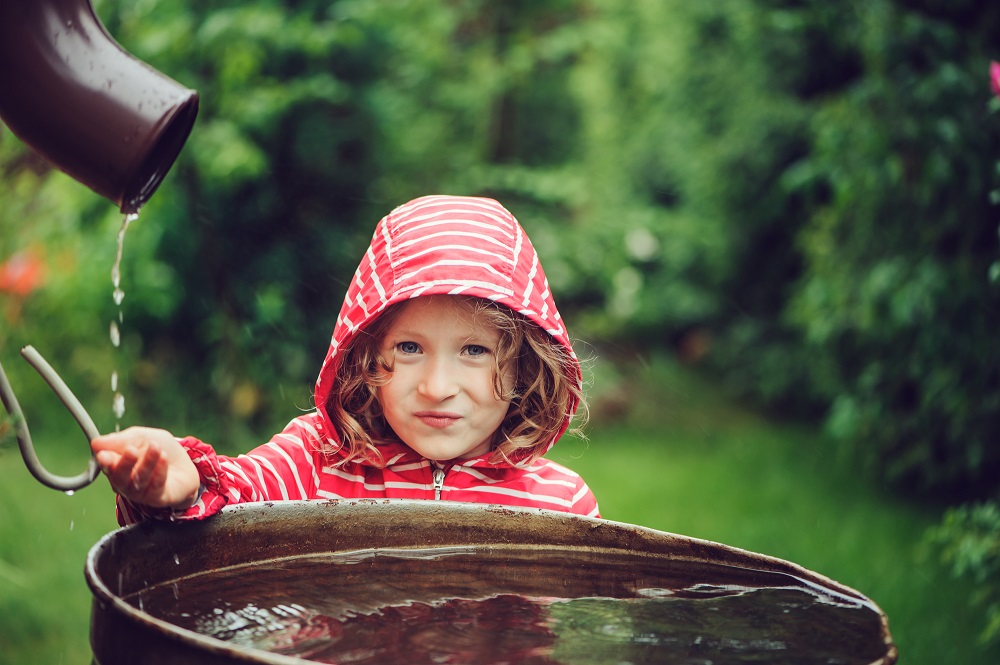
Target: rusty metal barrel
[393,562]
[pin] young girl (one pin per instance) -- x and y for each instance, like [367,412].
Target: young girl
[449,375]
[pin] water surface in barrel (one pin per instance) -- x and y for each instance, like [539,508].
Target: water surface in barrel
[519,605]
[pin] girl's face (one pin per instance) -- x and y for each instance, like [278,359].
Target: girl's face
[440,398]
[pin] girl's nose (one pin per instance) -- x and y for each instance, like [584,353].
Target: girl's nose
[438,381]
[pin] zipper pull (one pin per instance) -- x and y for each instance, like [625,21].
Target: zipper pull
[438,482]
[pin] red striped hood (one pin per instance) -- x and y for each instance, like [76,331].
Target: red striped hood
[446,245]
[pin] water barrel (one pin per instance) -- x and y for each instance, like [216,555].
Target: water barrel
[387,581]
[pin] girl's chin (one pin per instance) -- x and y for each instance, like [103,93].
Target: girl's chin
[436,454]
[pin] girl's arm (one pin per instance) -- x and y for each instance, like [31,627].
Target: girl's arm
[157,475]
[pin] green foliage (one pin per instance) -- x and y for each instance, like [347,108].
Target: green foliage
[797,192]
[859,285]
[895,301]
[65,229]
[969,542]
[247,247]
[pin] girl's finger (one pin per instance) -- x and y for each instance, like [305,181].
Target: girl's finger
[120,473]
[158,480]
[144,467]
[117,441]
[107,458]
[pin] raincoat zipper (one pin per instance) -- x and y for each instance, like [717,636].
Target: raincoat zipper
[438,482]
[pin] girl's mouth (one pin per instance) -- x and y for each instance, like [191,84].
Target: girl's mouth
[437,419]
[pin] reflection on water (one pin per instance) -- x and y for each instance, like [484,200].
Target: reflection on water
[490,606]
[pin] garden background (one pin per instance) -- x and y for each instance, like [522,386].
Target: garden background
[770,223]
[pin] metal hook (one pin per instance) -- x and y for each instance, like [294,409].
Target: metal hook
[62,483]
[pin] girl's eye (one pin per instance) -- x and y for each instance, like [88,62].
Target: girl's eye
[408,347]
[476,350]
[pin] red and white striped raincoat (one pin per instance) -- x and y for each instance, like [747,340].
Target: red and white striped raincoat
[430,246]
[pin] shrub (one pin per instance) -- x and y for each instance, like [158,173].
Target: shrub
[969,542]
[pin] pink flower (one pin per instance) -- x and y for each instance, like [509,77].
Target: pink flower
[21,274]
[995,77]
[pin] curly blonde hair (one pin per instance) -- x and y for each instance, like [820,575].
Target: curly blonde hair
[542,394]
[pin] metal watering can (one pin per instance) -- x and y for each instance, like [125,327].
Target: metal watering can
[85,105]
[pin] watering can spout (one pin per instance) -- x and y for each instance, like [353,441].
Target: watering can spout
[87,106]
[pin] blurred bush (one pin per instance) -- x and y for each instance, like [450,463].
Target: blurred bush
[895,305]
[969,539]
[793,192]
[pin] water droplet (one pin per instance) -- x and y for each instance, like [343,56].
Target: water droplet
[115,335]
[118,295]
[69,492]
[177,560]
[118,406]
[71,524]
[114,381]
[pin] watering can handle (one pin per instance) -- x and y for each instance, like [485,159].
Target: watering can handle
[63,483]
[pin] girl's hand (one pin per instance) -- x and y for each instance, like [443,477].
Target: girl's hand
[148,466]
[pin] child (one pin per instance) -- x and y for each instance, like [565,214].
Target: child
[448,376]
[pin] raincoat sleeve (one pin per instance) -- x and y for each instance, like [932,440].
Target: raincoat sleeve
[577,497]
[584,502]
[285,468]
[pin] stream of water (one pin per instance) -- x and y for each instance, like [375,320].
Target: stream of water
[118,295]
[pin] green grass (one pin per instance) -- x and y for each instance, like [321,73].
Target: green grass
[681,459]
[44,539]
